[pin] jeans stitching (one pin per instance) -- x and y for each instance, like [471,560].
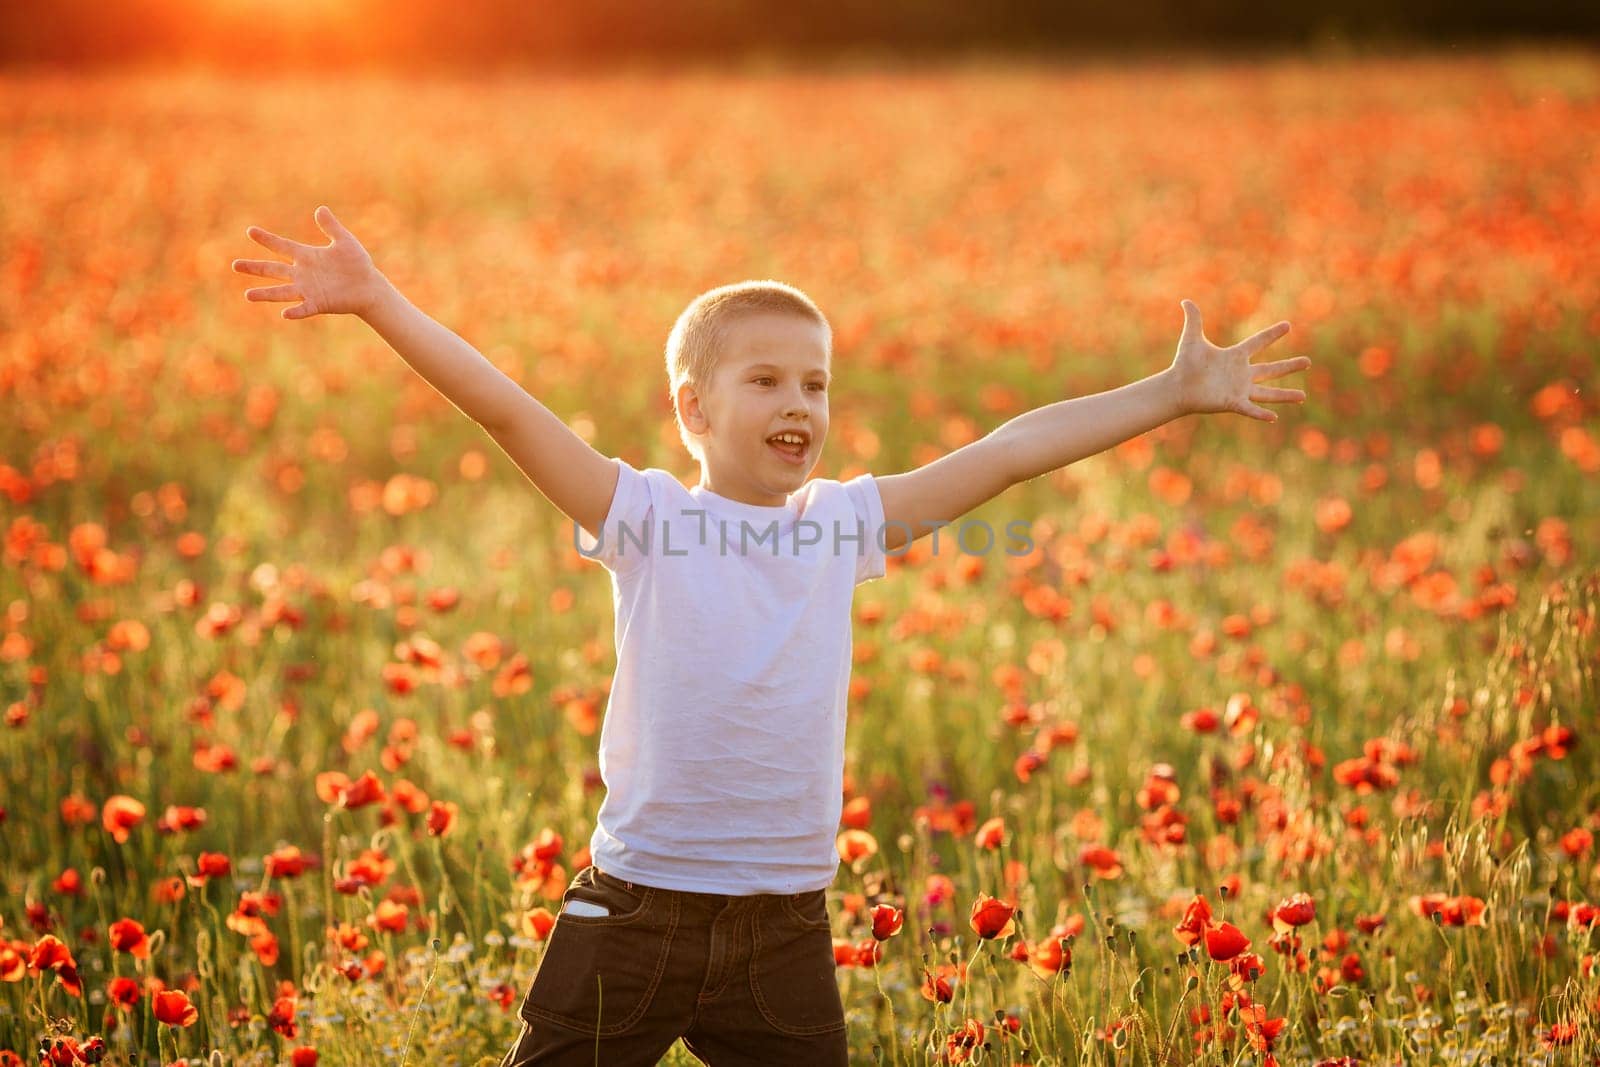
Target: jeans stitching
[611,920]
[761,1000]
[729,956]
[812,924]
[644,1002]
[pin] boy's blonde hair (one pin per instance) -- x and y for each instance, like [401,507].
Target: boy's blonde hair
[695,344]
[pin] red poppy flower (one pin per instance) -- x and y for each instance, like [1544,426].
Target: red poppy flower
[1052,955]
[13,961]
[537,923]
[76,810]
[938,988]
[991,918]
[856,845]
[1247,967]
[1576,842]
[180,819]
[246,919]
[513,678]
[1196,917]
[389,916]
[123,992]
[57,1051]
[1464,911]
[128,936]
[49,953]
[1225,941]
[172,1007]
[1102,861]
[281,1018]
[991,834]
[886,921]
[968,1036]
[1296,910]
[1160,787]
[361,792]
[1560,1034]
[1026,764]
[857,813]
[265,946]
[120,815]
[409,796]
[214,865]
[285,862]
[1263,1032]
[441,817]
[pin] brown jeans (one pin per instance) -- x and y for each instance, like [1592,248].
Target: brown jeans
[743,980]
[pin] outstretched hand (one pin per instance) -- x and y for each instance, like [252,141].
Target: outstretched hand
[1223,379]
[335,278]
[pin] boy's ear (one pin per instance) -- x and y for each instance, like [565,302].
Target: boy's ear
[689,409]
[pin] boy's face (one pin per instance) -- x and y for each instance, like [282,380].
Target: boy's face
[772,376]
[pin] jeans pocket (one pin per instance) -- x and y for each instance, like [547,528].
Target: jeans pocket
[809,910]
[624,900]
[792,970]
[599,974]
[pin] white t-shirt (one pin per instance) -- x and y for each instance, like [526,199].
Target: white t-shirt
[722,748]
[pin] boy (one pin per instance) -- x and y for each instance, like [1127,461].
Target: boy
[703,913]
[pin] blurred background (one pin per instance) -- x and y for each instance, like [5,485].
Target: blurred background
[443,33]
[279,626]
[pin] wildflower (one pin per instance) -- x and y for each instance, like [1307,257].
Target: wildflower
[441,817]
[1225,941]
[128,936]
[172,1007]
[992,918]
[1196,918]
[991,835]
[1296,910]
[123,992]
[856,845]
[1102,861]
[120,815]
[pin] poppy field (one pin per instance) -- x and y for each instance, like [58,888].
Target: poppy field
[1276,746]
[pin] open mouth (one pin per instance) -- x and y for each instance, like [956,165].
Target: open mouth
[791,447]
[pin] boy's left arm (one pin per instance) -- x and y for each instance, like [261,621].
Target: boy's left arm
[1202,378]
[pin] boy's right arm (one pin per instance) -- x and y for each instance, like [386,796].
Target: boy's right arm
[570,473]
[339,277]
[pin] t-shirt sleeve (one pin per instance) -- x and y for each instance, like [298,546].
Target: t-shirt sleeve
[625,526]
[868,504]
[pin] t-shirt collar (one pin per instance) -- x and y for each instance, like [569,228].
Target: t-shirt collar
[717,504]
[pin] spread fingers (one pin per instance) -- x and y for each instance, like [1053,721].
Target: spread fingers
[1278,368]
[264,268]
[281,245]
[1255,343]
[1267,395]
[274,292]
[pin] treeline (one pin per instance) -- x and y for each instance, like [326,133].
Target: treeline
[259,33]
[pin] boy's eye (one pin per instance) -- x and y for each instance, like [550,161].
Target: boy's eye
[767,378]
